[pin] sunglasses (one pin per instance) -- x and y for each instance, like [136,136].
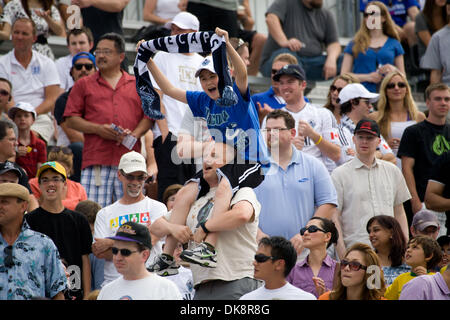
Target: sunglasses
[4,93]
[87,66]
[260,258]
[334,88]
[353,265]
[398,84]
[311,229]
[123,252]
[65,150]
[9,261]
[130,177]
[366,14]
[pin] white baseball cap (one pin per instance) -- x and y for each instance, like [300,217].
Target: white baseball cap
[132,162]
[184,20]
[207,64]
[25,106]
[356,90]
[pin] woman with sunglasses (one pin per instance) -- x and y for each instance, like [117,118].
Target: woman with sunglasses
[376,49]
[315,274]
[387,239]
[75,192]
[352,279]
[396,110]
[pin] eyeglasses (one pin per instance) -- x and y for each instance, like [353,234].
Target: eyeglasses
[123,252]
[87,66]
[47,180]
[311,229]
[268,130]
[65,150]
[106,52]
[9,261]
[334,88]
[401,85]
[4,93]
[130,177]
[353,265]
[260,258]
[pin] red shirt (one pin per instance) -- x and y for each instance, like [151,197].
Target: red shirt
[94,100]
[36,153]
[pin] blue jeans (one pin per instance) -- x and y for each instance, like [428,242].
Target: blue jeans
[313,66]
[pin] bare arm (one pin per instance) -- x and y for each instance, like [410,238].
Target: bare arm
[340,247]
[407,170]
[86,264]
[326,210]
[73,135]
[5,33]
[161,227]
[59,296]
[246,19]
[424,36]
[434,199]
[105,5]
[412,12]
[400,216]
[149,9]
[241,213]
[435,76]
[51,94]
[330,66]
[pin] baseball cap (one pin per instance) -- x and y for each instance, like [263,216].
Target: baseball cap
[356,90]
[423,219]
[134,232]
[207,64]
[53,165]
[291,70]
[25,106]
[14,190]
[83,54]
[132,161]
[369,126]
[9,166]
[184,20]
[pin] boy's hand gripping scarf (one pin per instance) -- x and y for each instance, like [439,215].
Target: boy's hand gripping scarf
[206,41]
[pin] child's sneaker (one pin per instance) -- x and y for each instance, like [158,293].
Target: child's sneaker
[204,255]
[164,265]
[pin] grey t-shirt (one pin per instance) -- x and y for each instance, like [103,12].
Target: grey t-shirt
[437,55]
[421,25]
[316,28]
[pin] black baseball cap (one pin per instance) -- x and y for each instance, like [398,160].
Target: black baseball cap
[369,126]
[134,232]
[292,70]
[9,166]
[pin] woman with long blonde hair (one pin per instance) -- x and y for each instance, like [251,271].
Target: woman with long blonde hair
[376,49]
[396,109]
[359,264]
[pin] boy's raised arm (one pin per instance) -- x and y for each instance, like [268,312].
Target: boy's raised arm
[164,84]
[239,68]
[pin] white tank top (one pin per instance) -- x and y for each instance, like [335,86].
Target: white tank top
[397,129]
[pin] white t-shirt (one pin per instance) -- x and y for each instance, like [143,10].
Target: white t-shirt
[180,70]
[185,283]
[152,287]
[63,65]
[110,218]
[286,292]
[321,120]
[167,9]
[29,84]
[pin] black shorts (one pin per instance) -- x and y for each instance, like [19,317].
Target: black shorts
[247,36]
[238,175]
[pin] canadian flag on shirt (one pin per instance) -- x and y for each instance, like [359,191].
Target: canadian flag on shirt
[334,135]
[385,146]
